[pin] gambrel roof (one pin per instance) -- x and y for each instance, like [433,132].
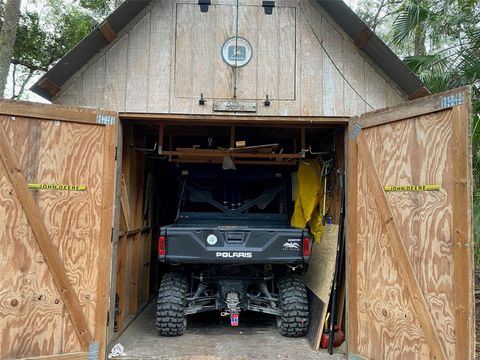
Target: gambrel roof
[51,83]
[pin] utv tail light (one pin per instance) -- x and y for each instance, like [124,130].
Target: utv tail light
[161,246]
[306,246]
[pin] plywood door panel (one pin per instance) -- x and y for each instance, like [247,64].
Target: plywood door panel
[407,275]
[36,316]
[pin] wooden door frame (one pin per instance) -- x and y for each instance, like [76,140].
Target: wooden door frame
[90,343]
[462,234]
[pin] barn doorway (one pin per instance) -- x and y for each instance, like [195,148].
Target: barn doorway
[155,153]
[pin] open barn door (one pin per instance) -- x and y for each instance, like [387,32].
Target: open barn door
[56,209]
[410,278]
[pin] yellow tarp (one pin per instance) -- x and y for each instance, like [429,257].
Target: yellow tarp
[309,198]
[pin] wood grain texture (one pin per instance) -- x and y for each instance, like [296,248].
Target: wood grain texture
[311,59]
[355,89]
[352,239]
[462,232]
[105,242]
[383,307]
[138,62]
[184,43]
[71,356]
[319,276]
[120,281]
[333,67]
[160,52]
[223,73]
[116,75]
[248,28]
[173,56]
[48,112]
[30,299]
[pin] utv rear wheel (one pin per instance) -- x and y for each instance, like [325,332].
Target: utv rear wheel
[171,300]
[293,321]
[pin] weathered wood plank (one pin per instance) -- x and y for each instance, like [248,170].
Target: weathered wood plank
[462,231]
[184,44]
[248,28]
[355,89]
[287,50]
[224,29]
[333,67]
[311,59]
[116,75]
[417,107]
[161,49]
[138,58]
[45,111]
[268,71]
[105,238]
[203,47]
[376,96]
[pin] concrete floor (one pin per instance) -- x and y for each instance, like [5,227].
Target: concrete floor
[210,337]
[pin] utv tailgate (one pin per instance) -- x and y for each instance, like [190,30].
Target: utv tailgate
[233,245]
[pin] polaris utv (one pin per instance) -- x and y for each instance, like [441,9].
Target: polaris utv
[231,249]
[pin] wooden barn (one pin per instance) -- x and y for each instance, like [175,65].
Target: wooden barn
[87,182]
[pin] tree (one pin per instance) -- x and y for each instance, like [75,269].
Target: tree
[8,32]
[440,41]
[46,32]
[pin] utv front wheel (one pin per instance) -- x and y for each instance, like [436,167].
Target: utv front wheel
[293,321]
[172,295]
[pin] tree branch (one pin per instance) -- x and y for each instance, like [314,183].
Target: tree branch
[30,66]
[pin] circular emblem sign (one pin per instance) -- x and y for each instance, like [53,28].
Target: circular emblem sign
[236,51]
[211,239]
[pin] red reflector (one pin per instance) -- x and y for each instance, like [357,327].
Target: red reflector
[161,246]
[306,246]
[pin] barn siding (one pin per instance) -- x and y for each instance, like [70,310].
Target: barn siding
[172,55]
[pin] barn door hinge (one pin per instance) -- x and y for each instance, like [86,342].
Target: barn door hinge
[204,4]
[356,130]
[105,119]
[452,100]
[268,6]
[116,153]
[108,318]
[93,349]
